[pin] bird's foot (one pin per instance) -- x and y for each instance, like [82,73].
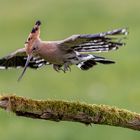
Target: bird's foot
[57,67]
[66,67]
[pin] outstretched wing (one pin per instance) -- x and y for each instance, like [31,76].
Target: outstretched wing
[18,59]
[105,41]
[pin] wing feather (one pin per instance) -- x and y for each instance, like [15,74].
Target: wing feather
[18,59]
[105,41]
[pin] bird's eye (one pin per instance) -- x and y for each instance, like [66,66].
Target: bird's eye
[29,38]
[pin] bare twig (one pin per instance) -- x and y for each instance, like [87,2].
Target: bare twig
[57,110]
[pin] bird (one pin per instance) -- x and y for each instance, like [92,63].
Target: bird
[75,50]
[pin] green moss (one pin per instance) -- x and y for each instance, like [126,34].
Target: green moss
[101,114]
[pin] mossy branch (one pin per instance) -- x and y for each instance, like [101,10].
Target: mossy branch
[57,110]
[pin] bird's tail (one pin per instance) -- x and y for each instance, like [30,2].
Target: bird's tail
[88,61]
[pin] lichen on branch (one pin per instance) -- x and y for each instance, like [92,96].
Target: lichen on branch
[58,110]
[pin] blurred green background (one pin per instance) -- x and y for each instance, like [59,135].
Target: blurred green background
[117,85]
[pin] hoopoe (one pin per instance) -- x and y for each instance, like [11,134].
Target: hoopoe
[74,50]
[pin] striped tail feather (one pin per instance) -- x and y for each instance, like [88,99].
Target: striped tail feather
[103,60]
[103,42]
[88,61]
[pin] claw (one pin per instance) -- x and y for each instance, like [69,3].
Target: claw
[69,68]
[66,67]
[57,67]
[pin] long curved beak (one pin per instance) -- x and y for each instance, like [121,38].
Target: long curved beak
[25,67]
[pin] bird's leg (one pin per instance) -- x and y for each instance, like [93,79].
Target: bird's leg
[66,67]
[57,67]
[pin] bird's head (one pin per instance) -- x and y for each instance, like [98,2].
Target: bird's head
[30,44]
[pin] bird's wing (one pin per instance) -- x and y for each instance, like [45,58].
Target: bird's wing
[105,41]
[18,59]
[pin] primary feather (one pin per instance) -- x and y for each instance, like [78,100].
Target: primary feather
[101,42]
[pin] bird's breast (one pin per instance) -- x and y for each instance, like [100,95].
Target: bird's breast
[51,53]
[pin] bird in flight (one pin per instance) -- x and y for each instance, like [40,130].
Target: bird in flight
[74,50]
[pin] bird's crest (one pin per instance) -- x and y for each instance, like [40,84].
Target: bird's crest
[34,34]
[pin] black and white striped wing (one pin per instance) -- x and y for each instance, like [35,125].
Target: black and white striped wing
[101,42]
[18,60]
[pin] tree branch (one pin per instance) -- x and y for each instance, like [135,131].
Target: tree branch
[57,110]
